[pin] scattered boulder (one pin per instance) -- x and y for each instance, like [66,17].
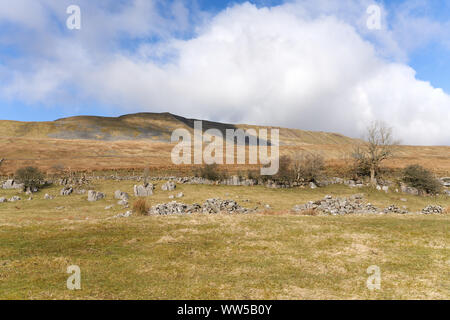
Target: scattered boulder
[433,209]
[409,190]
[124,215]
[180,195]
[14,199]
[385,189]
[66,191]
[95,196]
[122,202]
[143,190]
[312,185]
[48,197]
[2,200]
[445,181]
[121,195]
[169,186]
[109,207]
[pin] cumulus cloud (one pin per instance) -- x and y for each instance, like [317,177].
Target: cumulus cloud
[296,65]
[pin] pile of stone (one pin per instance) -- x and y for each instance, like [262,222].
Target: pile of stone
[174,207]
[95,195]
[433,209]
[144,190]
[210,206]
[169,186]
[338,206]
[66,191]
[217,205]
[394,209]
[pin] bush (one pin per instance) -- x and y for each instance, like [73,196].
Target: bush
[418,177]
[309,168]
[210,172]
[140,207]
[31,177]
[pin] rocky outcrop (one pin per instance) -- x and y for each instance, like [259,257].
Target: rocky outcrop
[119,195]
[143,190]
[12,184]
[168,186]
[66,191]
[95,195]
[409,190]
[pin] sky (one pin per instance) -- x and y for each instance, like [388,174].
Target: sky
[309,64]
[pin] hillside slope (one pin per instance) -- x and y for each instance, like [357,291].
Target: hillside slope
[156,127]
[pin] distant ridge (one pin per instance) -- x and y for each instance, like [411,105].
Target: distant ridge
[156,127]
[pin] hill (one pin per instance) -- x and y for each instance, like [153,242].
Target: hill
[142,126]
[143,139]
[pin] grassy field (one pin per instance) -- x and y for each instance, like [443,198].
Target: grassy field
[272,254]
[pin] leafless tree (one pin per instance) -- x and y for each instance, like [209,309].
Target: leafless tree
[379,145]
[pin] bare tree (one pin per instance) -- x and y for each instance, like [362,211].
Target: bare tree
[378,146]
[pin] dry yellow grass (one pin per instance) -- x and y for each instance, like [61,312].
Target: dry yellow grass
[272,255]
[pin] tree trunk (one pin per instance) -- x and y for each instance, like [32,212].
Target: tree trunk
[373,181]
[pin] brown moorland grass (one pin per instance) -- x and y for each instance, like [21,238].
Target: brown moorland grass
[90,155]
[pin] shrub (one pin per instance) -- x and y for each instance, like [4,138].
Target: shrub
[210,172]
[140,206]
[31,177]
[418,177]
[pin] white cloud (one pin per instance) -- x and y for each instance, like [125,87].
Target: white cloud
[295,65]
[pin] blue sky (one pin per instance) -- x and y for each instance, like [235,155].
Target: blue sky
[234,61]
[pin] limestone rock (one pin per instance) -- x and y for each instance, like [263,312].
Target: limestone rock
[143,190]
[95,196]
[169,186]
